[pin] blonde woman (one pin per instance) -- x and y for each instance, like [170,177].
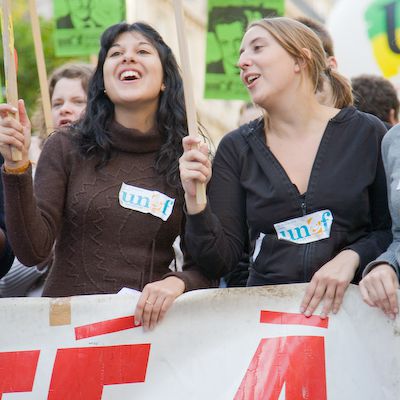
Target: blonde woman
[307,182]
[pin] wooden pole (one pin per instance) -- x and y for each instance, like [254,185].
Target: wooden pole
[10,70]
[41,67]
[188,87]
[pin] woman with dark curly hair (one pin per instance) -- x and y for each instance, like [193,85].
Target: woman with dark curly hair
[107,188]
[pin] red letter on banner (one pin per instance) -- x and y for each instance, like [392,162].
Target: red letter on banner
[17,371]
[296,361]
[81,373]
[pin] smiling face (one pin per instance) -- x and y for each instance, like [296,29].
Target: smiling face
[67,102]
[133,74]
[267,69]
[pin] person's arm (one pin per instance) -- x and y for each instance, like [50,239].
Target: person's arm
[381,277]
[203,240]
[34,216]
[19,280]
[157,297]
[215,236]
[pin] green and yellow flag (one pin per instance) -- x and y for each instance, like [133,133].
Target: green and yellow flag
[383,22]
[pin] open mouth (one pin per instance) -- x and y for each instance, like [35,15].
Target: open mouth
[65,122]
[129,75]
[251,78]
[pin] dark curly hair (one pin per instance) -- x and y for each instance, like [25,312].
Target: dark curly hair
[91,132]
[375,95]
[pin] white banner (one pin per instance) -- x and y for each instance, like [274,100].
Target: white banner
[217,344]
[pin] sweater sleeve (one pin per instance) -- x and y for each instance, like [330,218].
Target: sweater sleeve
[379,237]
[391,160]
[191,274]
[215,237]
[34,214]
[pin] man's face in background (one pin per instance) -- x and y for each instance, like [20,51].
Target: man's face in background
[229,37]
[79,9]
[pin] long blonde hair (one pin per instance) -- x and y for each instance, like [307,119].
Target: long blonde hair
[303,44]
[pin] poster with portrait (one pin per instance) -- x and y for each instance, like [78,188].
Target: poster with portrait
[227,22]
[80,23]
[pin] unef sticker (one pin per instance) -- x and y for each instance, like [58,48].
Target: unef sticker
[146,201]
[306,229]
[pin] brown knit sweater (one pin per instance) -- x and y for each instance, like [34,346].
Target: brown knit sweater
[100,245]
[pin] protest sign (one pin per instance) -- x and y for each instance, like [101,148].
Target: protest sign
[227,22]
[80,23]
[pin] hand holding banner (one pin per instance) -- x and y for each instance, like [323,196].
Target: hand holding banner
[10,69]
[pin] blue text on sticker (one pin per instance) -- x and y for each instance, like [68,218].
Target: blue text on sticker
[306,229]
[146,201]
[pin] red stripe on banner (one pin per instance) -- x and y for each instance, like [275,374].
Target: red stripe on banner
[282,318]
[82,373]
[296,362]
[17,371]
[104,327]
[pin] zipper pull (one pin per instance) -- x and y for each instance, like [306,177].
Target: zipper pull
[303,208]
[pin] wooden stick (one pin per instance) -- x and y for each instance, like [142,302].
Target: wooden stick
[10,71]
[188,87]
[41,67]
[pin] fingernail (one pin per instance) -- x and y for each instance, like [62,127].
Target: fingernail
[302,310]
[136,322]
[307,314]
[335,310]
[322,315]
[14,110]
[392,316]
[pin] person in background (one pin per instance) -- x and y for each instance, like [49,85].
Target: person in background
[326,94]
[325,37]
[376,95]
[249,112]
[107,189]
[306,184]
[68,87]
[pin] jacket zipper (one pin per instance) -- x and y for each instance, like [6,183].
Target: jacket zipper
[307,246]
